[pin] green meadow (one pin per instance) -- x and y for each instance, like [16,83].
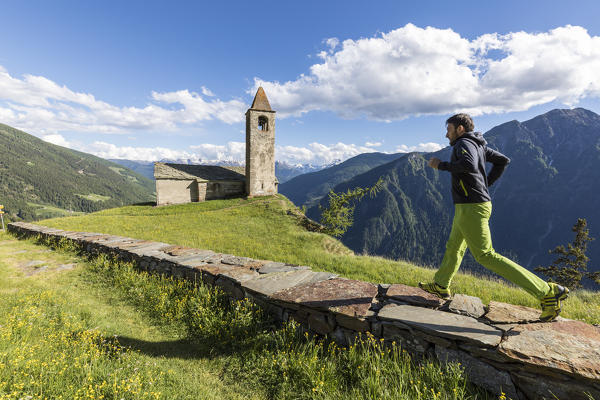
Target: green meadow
[271,228]
[75,328]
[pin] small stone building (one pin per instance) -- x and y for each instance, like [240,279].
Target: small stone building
[184,183]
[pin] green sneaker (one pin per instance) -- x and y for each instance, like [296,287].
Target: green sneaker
[552,302]
[434,288]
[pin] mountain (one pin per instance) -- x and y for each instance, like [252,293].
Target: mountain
[309,188]
[40,180]
[144,168]
[283,171]
[553,179]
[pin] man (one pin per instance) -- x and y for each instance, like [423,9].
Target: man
[473,208]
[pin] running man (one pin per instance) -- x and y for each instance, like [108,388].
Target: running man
[472,211]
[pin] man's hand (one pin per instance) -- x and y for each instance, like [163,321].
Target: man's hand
[434,162]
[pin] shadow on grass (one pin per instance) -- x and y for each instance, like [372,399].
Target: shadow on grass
[184,349]
[145,204]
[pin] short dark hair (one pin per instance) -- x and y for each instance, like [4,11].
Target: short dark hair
[461,119]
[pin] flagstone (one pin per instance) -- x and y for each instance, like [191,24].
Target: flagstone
[338,295]
[268,284]
[445,324]
[413,295]
[570,346]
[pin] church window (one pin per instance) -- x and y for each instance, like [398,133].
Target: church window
[263,123]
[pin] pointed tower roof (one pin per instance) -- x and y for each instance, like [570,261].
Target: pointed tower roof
[260,101]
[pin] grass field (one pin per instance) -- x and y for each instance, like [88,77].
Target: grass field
[93,329]
[58,330]
[268,228]
[93,197]
[47,211]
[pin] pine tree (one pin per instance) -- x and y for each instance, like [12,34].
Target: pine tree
[571,265]
[339,216]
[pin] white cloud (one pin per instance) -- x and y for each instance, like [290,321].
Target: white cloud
[373,144]
[56,139]
[233,151]
[422,147]
[41,106]
[314,153]
[109,150]
[417,71]
[318,153]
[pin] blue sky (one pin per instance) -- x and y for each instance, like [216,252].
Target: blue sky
[150,80]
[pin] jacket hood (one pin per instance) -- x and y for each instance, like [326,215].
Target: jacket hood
[476,137]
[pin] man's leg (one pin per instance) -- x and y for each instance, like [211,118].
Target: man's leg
[475,228]
[455,251]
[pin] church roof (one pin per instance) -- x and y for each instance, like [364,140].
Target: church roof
[260,101]
[199,172]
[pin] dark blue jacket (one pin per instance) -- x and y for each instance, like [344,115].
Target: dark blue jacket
[467,165]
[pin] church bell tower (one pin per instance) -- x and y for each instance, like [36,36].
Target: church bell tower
[260,147]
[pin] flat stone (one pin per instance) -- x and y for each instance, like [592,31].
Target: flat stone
[338,295]
[442,323]
[467,305]
[106,239]
[63,267]
[272,267]
[320,324]
[179,250]
[504,313]
[480,373]
[535,388]
[148,250]
[241,261]
[569,346]
[413,295]
[194,259]
[236,274]
[275,282]
[353,323]
[34,263]
[134,244]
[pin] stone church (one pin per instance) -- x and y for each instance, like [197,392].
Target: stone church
[184,183]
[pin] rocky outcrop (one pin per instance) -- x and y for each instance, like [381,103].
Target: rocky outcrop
[500,346]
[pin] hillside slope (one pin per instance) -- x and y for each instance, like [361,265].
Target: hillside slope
[308,189]
[37,177]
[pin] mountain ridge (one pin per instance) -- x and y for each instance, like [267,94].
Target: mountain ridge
[38,179]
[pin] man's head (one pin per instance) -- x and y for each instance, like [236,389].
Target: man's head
[457,125]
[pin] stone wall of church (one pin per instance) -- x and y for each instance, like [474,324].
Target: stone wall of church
[180,191]
[224,190]
[260,154]
[176,191]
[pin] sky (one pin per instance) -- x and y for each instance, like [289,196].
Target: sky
[149,80]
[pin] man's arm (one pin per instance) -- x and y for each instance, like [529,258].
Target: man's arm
[466,160]
[499,161]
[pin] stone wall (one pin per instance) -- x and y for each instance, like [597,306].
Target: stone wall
[179,191]
[224,189]
[260,154]
[176,191]
[500,346]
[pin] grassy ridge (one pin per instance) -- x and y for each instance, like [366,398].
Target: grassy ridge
[269,228]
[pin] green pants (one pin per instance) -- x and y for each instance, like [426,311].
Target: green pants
[470,228]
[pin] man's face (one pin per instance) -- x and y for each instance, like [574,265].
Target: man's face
[453,133]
